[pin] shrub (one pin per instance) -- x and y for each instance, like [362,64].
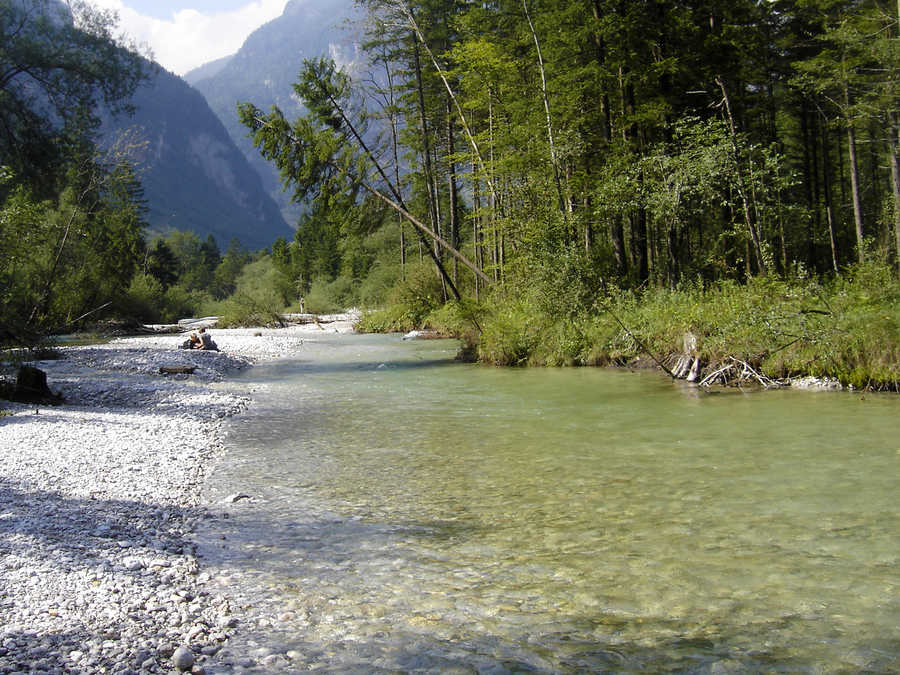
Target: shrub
[180,302]
[145,298]
[376,288]
[392,319]
[259,297]
[510,333]
[329,296]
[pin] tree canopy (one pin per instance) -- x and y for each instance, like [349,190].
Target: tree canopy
[655,141]
[70,215]
[57,63]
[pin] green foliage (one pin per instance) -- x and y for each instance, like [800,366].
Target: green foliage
[661,166]
[848,330]
[411,301]
[70,258]
[259,297]
[229,269]
[326,296]
[195,260]
[512,333]
[145,299]
[181,301]
[858,341]
[70,217]
[160,263]
[57,62]
[392,319]
[376,288]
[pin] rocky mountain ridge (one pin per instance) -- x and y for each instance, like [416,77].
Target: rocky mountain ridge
[194,178]
[264,70]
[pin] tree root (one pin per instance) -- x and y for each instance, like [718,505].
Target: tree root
[736,372]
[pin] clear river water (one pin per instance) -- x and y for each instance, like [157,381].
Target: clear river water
[410,513]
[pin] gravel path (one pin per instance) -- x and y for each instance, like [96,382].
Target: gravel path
[99,496]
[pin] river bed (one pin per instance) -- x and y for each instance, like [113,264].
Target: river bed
[383,508]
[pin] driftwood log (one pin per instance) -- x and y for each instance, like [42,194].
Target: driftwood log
[177,370]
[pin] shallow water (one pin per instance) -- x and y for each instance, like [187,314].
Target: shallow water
[411,513]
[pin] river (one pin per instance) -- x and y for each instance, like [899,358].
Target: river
[410,513]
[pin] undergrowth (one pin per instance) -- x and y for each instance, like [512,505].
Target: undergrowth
[847,328]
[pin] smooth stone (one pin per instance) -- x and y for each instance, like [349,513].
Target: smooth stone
[183,659]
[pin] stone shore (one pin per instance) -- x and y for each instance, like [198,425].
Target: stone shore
[99,497]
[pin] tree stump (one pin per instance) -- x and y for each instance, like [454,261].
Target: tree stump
[31,387]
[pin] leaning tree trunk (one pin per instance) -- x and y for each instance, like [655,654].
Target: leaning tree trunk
[546,98]
[396,157]
[894,143]
[854,180]
[399,204]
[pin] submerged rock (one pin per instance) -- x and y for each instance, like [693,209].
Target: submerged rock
[422,335]
[816,383]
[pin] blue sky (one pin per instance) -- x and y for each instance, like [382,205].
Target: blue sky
[184,34]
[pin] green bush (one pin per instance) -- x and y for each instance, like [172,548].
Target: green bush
[147,301]
[145,298]
[180,302]
[261,295]
[848,329]
[325,297]
[510,334]
[392,319]
[376,288]
[420,291]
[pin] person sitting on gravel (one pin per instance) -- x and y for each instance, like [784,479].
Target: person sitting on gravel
[206,342]
[193,342]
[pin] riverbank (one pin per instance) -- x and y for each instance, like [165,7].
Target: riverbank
[768,331]
[99,496]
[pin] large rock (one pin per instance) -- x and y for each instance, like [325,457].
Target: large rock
[183,659]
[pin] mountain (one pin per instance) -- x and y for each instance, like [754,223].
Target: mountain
[207,70]
[193,175]
[265,68]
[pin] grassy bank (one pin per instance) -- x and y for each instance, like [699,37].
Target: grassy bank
[847,328]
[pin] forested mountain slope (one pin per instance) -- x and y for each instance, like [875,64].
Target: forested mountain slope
[266,67]
[194,178]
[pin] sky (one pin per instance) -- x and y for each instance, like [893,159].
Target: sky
[184,34]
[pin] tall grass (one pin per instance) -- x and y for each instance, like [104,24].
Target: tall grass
[847,328]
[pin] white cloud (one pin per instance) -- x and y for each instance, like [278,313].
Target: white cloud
[191,38]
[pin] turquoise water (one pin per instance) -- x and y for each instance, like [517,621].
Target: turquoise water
[415,514]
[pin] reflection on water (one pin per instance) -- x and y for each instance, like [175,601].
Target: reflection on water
[415,514]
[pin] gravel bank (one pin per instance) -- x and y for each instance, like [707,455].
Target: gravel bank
[98,498]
